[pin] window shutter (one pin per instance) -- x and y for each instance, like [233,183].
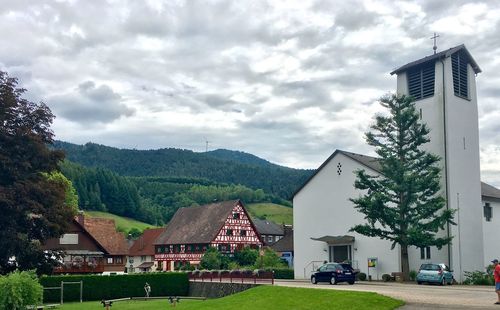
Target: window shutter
[421,81]
[459,63]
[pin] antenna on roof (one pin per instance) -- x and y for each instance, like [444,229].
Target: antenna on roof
[434,38]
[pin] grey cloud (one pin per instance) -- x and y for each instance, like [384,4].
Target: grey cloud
[90,103]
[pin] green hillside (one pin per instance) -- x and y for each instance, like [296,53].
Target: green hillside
[272,212]
[123,224]
[220,166]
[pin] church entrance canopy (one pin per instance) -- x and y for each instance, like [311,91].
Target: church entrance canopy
[334,240]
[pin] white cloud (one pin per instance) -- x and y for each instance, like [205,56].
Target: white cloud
[289,81]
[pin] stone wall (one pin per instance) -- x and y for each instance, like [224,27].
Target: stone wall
[217,289]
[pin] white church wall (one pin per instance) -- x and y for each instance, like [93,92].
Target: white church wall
[464,176]
[323,208]
[491,235]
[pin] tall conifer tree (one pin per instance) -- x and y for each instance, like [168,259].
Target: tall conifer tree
[405,204]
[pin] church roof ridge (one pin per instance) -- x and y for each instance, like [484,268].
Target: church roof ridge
[440,55]
[373,163]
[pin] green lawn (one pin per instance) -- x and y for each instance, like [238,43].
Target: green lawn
[265,297]
[123,224]
[272,212]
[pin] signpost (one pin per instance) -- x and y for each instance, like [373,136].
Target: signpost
[372,263]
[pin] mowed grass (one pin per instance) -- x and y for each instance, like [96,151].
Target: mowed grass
[263,298]
[272,212]
[123,224]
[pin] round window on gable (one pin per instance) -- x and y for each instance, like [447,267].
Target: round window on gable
[339,168]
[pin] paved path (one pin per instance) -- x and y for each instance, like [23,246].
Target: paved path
[418,296]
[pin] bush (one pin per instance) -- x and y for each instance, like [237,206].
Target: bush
[19,290]
[361,276]
[97,287]
[386,277]
[478,278]
[413,275]
[246,256]
[270,259]
[283,273]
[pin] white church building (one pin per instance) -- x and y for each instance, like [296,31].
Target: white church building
[444,87]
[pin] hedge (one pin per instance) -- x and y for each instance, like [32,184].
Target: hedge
[98,287]
[285,273]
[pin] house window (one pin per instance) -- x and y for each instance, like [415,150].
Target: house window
[270,239]
[459,63]
[159,250]
[110,260]
[488,212]
[118,260]
[69,239]
[236,215]
[229,232]
[421,81]
[425,253]
[143,258]
[243,232]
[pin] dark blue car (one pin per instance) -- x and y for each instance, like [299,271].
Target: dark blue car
[334,273]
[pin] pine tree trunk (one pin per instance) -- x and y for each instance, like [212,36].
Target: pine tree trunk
[405,264]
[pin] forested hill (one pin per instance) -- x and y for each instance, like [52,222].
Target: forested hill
[221,166]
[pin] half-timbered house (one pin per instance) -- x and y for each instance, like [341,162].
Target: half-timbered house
[223,225]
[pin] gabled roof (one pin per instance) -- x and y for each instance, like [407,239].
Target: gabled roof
[374,164]
[197,224]
[437,56]
[285,244]
[265,227]
[489,191]
[144,245]
[104,232]
[368,161]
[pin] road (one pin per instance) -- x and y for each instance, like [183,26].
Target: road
[418,296]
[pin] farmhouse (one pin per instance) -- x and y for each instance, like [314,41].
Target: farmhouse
[445,89]
[91,245]
[141,255]
[223,225]
[269,231]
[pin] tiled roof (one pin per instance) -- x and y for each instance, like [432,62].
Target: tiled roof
[265,227]
[144,245]
[197,224]
[489,191]
[285,244]
[104,231]
[440,55]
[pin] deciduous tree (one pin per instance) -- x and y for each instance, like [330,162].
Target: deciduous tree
[32,205]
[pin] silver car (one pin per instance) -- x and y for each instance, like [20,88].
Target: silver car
[435,273]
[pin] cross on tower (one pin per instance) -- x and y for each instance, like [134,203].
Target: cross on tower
[434,38]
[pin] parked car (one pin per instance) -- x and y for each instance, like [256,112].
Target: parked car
[334,273]
[435,273]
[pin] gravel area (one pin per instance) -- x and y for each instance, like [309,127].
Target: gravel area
[419,296]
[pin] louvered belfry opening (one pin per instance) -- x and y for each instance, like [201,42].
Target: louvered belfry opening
[459,61]
[421,81]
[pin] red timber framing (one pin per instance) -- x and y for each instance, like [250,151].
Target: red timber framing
[237,232]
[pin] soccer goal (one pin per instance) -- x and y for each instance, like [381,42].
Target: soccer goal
[61,289]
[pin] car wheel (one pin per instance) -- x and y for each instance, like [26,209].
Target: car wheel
[443,281]
[419,282]
[451,281]
[333,281]
[351,282]
[313,280]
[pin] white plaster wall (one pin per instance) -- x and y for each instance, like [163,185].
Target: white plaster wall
[463,172]
[322,208]
[137,262]
[491,235]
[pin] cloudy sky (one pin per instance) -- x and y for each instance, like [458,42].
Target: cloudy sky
[289,81]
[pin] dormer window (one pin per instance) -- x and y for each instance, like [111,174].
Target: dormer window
[459,61]
[421,81]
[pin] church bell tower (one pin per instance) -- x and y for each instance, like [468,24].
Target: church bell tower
[444,86]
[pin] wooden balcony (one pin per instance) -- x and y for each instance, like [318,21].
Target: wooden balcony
[79,268]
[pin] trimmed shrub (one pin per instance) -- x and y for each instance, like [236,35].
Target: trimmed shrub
[283,273]
[386,277]
[413,275]
[361,276]
[19,290]
[98,287]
